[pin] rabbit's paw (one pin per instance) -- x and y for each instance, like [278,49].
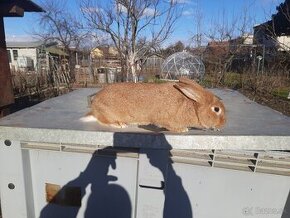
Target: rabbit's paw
[119,125]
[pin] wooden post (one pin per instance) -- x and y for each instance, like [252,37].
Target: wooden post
[6,90]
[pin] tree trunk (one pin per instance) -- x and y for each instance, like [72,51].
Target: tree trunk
[134,73]
[71,64]
[132,63]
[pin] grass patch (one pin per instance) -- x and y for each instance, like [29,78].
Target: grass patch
[233,80]
[281,92]
[207,82]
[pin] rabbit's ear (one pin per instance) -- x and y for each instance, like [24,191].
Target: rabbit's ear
[188,92]
[190,82]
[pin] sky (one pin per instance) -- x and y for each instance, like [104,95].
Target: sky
[20,29]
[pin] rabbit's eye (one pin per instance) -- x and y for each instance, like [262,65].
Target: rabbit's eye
[216,110]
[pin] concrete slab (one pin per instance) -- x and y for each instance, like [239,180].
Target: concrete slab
[249,126]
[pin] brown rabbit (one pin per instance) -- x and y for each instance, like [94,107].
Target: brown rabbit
[174,106]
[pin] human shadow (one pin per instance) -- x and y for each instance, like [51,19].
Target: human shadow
[286,210]
[157,150]
[105,200]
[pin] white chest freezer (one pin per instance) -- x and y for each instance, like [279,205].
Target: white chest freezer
[53,165]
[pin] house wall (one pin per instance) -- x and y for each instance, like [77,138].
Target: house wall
[248,40]
[22,52]
[284,43]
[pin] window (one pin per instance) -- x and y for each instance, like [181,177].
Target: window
[9,56]
[15,55]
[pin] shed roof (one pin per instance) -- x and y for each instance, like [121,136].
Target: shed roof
[55,50]
[27,5]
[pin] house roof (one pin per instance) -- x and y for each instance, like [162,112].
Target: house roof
[51,48]
[27,44]
[218,43]
[106,51]
[279,24]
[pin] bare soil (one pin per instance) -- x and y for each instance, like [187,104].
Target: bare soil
[277,103]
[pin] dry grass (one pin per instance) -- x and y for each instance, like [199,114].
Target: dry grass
[271,90]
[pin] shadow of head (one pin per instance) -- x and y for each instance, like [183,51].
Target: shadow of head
[108,156]
[144,142]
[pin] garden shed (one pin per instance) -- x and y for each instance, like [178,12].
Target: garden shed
[10,8]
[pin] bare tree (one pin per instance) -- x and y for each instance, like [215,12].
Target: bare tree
[227,36]
[225,27]
[134,26]
[61,26]
[198,17]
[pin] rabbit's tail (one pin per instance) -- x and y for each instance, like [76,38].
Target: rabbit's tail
[88,118]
